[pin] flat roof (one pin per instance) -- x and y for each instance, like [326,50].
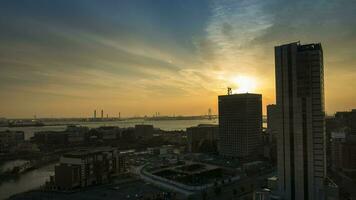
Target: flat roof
[83,152]
[240,95]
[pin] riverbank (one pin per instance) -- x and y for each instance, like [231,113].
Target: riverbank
[14,173]
[26,182]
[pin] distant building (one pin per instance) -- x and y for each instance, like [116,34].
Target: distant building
[10,139]
[108,132]
[77,134]
[240,124]
[87,167]
[337,139]
[26,147]
[153,150]
[49,138]
[348,153]
[262,194]
[347,120]
[144,131]
[72,135]
[3,122]
[272,183]
[202,138]
[341,122]
[331,125]
[162,150]
[166,149]
[265,194]
[301,127]
[343,154]
[272,122]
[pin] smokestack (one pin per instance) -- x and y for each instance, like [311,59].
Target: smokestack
[102,113]
[119,115]
[94,114]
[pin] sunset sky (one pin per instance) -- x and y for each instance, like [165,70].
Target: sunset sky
[65,58]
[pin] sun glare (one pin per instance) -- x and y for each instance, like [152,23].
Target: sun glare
[244,84]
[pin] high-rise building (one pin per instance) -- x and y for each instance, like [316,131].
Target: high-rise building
[240,124]
[301,121]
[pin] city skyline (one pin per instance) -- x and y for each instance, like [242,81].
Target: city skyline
[66,59]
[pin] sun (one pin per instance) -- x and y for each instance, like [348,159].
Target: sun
[244,84]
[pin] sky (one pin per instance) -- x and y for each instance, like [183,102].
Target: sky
[65,58]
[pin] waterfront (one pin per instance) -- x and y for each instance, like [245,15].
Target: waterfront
[28,181]
[167,125]
[36,178]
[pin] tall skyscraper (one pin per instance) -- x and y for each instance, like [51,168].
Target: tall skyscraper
[240,124]
[301,121]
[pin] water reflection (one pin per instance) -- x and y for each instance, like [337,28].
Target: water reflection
[28,181]
[8,166]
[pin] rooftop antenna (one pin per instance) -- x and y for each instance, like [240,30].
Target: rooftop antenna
[229,91]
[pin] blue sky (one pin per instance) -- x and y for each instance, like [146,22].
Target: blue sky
[67,58]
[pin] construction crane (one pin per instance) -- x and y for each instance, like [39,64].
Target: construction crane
[229,91]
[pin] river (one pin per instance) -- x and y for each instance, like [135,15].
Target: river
[28,181]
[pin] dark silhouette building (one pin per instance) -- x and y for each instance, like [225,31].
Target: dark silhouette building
[240,124]
[144,131]
[301,121]
[85,168]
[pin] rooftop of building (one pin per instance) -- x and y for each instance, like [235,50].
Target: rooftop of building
[11,131]
[108,127]
[241,95]
[144,125]
[205,126]
[308,47]
[303,47]
[84,152]
[129,190]
[273,178]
